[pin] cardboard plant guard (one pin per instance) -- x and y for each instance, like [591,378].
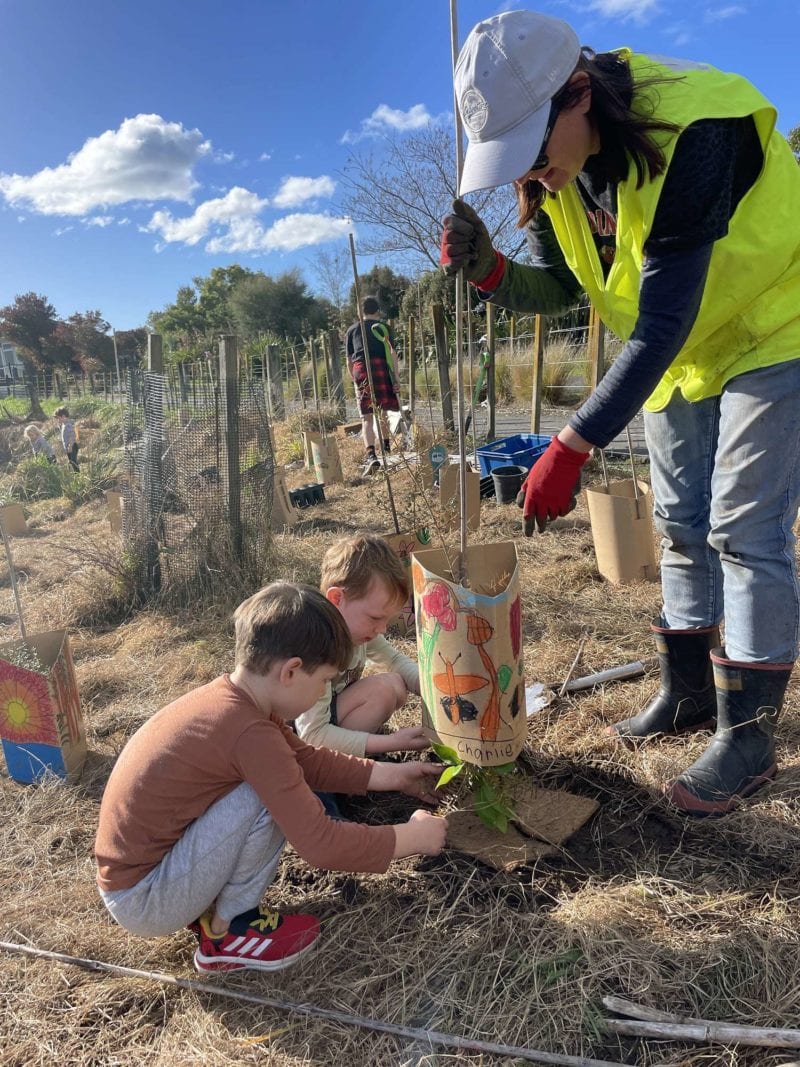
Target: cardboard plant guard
[450,495]
[469,648]
[41,726]
[13,519]
[622,531]
[403,545]
[283,511]
[325,460]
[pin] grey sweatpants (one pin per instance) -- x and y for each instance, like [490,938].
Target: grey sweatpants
[230,854]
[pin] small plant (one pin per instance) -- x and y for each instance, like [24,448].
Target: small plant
[487,784]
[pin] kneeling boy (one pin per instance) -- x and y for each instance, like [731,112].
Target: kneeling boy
[366,581]
[205,794]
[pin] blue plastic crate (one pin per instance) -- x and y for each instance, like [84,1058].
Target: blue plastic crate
[521,448]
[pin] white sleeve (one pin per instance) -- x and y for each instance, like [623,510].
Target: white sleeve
[315,728]
[379,651]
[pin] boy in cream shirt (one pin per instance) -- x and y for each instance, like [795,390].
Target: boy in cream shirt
[364,579]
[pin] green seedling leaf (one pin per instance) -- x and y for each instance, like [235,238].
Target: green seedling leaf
[445,754]
[504,768]
[504,675]
[449,774]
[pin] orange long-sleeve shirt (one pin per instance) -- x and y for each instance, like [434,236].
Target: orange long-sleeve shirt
[202,746]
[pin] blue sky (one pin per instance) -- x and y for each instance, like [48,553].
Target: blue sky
[143,142]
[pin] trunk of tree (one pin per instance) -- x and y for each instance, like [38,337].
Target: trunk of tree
[33,392]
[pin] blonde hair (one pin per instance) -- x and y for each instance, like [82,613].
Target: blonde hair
[352,563]
[32,431]
[286,619]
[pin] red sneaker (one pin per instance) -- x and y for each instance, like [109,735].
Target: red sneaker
[263,940]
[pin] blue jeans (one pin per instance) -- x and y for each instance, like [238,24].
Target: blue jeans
[726,486]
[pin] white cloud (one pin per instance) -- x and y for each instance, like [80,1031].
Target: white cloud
[147,158]
[284,235]
[62,230]
[264,157]
[385,118]
[294,191]
[721,13]
[231,224]
[637,10]
[99,220]
[236,205]
[223,157]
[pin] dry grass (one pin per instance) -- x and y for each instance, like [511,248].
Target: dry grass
[694,917]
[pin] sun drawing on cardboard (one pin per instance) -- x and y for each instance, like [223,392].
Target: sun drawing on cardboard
[23,712]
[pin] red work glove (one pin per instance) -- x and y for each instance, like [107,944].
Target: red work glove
[466,243]
[552,486]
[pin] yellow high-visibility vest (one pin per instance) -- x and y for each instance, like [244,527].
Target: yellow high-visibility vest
[749,315]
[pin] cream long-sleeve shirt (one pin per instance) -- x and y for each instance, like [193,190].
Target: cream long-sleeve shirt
[315,726]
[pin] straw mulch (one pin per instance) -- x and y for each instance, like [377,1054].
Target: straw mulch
[699,918]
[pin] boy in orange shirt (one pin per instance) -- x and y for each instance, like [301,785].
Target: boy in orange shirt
[205,794]
[366,581]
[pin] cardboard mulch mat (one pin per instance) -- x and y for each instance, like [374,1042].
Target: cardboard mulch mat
[545,817]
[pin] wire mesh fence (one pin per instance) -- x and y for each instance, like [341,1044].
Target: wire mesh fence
[198,480]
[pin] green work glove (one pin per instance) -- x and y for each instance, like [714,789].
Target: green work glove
[466,243]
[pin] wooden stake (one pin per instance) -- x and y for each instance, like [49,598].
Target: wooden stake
[432,1037]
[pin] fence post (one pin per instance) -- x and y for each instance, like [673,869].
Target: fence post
[491,390]
[443,364]
[154,449]
[597,349]
[538,368]
[336,384]
[274,364]
[229,384]
[300,388]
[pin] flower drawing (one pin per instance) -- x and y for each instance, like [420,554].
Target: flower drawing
[437,602]
[25,709]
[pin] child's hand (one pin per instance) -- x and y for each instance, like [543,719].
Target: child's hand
[414,778]
[423,835]
[410,739]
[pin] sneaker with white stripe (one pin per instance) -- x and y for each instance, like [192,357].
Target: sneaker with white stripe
[263,940]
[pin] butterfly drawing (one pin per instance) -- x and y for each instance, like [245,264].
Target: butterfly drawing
[455,686]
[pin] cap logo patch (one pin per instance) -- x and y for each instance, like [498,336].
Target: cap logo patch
[474,110]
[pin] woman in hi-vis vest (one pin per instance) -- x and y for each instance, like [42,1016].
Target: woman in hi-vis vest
[663,190]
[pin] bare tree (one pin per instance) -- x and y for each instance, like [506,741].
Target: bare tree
[334,277]
[403,191]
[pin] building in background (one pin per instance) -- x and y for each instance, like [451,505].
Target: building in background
[10,363]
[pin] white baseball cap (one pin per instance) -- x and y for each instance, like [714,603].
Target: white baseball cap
[508,71]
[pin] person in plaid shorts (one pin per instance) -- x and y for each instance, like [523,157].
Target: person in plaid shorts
[381,354]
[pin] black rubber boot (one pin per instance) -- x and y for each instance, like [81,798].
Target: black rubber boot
[686,699]
[741,756]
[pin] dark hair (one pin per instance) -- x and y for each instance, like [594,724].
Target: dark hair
[286,619]
[61,411]
[370,305]
[625,134]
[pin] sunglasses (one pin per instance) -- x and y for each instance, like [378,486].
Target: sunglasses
[542,160]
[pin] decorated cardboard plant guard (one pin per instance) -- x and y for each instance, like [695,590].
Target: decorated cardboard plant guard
[325,459]
[404,544]
[470,652]
[41,725]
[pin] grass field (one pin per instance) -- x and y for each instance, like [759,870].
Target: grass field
[695,917]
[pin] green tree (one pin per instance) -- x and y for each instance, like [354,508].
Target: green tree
[793,137]
[282,306]
[30,323]
[87,336]
[181,324]
[214,294]
[387,288]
